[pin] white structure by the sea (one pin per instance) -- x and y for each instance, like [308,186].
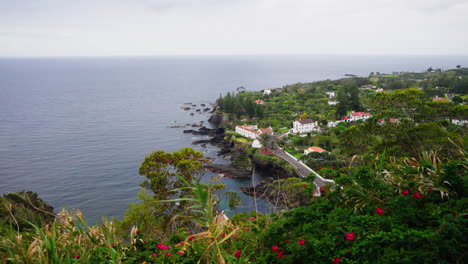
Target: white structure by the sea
[252,131]
[305,126]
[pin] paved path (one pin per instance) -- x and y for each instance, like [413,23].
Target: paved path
[301,168]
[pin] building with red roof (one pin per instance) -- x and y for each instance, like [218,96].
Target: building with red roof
[305,126]
[314,149]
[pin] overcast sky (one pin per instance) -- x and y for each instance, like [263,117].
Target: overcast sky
[232,27]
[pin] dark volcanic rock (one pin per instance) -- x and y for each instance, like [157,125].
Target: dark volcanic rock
[228,170]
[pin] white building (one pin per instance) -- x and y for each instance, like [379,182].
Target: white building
[355,116]
[252,131]
[305,126]
[333,102]
[330,94]
[248,131]
[459,122]
[333,123]
[267,92]
[256,144]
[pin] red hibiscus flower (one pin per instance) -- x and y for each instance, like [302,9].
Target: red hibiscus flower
[350,236]
[77,256]
[405,192]
[301,241]
[281,254]
[379,211]
[418,195]
[304,186]
[191,238]
[238,253]
[454,213]
[287,241]
[337,261]
[275,248]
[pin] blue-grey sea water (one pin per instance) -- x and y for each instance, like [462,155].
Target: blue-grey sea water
[75,130]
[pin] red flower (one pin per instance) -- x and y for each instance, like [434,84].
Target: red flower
[281,254]
[418,195]
[138,231]
[155,255]
[301,241]
[304,186]
[275,248]
[181,253]
[332,167]
[191,238]
[238,253]
[247,229]
[253,218]
[454,213]
[337,261]
[379,211]
[350,236]
[405,192]
[430,188]
[77,256]
[168,254]
[287,241]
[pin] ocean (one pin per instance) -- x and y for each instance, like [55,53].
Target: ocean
[75,130]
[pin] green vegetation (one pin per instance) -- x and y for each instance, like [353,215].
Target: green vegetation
[400,191]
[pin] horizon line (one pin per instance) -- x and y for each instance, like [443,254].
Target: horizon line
[230,55]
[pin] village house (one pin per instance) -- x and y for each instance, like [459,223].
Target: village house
[330,94]
[333,102]
[252,131]
[334,123]
[392,120]
[267,91]
[259,101]
[355,116]
[256,144]
[459,122]
[440,99]
[313,149]
[305,126]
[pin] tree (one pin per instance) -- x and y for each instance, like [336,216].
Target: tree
[458,66]
[457,99]
[160,168]
[267,140]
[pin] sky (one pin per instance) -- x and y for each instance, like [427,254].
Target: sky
[232,27]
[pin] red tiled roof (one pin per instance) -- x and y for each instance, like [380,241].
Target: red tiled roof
[440,99]
[248,129]
[345,118]
[265,130]
[259,101]
[316,149]
[305,121]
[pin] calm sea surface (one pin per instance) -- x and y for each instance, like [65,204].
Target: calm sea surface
[75,130]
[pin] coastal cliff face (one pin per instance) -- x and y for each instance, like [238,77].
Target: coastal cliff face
[217,119]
